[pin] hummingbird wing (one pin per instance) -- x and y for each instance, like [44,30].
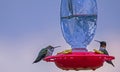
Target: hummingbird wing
[109,62]
[104,51]
[41,55]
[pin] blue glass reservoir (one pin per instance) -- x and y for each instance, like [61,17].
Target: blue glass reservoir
[78,22]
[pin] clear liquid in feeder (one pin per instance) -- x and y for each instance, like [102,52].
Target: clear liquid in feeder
[78,22]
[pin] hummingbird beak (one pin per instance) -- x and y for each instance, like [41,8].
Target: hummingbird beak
[56,46]
[97,41]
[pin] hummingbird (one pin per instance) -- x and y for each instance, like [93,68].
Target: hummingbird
[47,51]
[103,49]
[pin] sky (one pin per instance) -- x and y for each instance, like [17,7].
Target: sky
[27,26]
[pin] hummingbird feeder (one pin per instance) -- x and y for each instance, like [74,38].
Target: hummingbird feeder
[78,25]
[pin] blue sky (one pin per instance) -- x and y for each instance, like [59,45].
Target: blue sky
[26,26]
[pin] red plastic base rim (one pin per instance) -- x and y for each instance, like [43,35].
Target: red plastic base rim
[79,60]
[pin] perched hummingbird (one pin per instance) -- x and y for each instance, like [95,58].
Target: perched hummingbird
[48,51]
[103,49]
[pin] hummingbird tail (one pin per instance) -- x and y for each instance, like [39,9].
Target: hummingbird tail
[110,62]
[36,61]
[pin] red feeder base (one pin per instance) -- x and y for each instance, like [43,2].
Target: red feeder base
[79,60]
